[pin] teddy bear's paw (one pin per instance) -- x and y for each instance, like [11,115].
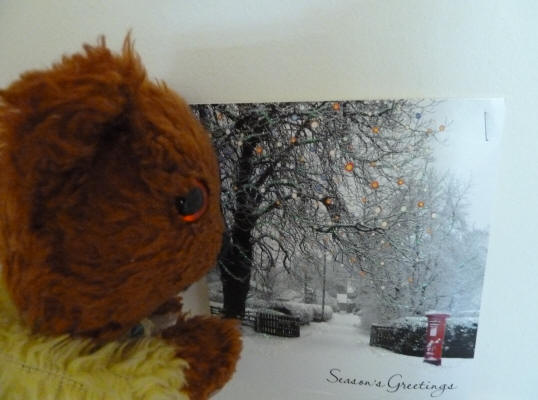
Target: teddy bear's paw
[211,346]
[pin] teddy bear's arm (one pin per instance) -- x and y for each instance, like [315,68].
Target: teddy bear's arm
[211,346]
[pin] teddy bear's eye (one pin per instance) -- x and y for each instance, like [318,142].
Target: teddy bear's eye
[194,204]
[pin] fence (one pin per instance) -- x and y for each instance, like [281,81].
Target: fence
[277,325]
[459,341]
[382,336]
[268,322]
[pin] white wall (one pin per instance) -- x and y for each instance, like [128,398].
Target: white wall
[215,51]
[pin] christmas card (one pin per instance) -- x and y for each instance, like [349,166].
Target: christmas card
[356,244]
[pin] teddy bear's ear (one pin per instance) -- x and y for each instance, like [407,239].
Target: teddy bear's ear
[52,119]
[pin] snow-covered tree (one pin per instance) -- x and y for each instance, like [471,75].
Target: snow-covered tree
[428,258]
[309,178]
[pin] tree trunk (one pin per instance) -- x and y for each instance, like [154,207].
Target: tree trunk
[236,263]
[235,266]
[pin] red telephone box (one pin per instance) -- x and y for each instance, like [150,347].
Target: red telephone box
[435,336]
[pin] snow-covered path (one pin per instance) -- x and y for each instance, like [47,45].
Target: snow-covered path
[274,368]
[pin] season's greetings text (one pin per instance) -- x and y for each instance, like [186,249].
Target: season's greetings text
[396,383]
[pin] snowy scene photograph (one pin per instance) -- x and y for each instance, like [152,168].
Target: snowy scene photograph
[356,243]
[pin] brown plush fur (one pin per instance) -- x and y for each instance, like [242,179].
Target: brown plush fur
[200,341]
[92,158]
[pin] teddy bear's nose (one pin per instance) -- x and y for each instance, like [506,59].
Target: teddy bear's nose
[194,204]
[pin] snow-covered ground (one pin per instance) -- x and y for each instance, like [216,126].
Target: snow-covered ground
[273,368]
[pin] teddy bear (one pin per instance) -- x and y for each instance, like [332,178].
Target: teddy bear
[109,208]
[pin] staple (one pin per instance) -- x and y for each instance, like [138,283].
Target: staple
[486,126]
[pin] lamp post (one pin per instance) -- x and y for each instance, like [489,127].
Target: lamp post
[323,286]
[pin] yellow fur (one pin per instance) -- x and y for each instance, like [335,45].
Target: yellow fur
[36,367]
